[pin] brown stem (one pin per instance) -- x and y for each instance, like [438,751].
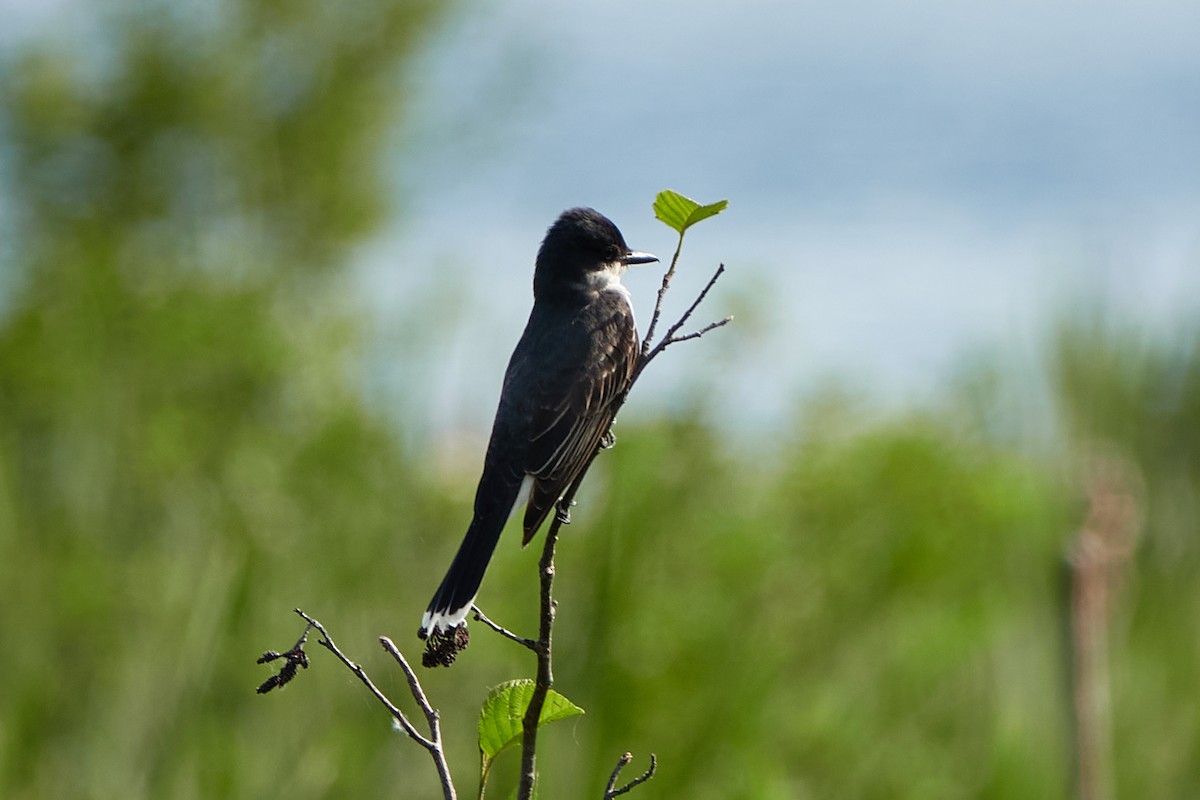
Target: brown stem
[1098,558]
[543,647]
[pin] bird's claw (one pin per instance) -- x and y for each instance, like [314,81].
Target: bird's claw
[562,512]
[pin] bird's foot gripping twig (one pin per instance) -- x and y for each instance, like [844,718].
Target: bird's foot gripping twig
[562,511]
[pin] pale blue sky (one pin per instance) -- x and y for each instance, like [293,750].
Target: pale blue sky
[909,183]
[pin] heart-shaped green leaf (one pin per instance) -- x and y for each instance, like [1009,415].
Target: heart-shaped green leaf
[501,718]
[683,212]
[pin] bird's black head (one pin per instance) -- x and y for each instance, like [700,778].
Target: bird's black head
[582,242]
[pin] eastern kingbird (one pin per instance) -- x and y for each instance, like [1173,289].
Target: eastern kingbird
[574,361]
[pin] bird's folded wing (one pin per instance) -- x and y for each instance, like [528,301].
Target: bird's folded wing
[569,424]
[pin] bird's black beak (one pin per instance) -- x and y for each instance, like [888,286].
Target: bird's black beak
[634,257]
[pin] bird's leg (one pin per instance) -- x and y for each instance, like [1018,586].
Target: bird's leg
[562,511]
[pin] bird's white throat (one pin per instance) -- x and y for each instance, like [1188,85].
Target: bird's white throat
[609,280]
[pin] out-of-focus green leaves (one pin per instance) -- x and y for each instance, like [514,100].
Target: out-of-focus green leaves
[892,589]
[184,455]
[681,213]
[258,128]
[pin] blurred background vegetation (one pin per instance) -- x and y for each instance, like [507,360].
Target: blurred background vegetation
[873,604]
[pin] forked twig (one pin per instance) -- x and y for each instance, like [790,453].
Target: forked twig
[432,743]
[649,354]
[610,791]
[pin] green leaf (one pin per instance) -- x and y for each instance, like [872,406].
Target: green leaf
[683,212]
[505,707]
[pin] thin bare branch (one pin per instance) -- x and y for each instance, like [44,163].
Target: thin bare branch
[697,334]
[695,303]
[431,715]
[433,744]
[507,634]
[622,763]
[414,685]
[650,353]
[662,293]
[396,713]
[611,792]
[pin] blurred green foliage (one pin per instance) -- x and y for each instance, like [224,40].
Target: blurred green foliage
[861,610]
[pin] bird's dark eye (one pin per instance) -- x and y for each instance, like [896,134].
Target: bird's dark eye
[612,253]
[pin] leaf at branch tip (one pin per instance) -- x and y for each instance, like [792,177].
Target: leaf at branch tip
[500,720]
[681,212]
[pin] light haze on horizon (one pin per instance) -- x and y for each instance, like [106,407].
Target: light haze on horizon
[908,184]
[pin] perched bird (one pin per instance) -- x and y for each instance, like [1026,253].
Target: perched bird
[574,360]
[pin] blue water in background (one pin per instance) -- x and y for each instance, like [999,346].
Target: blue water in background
[911,186]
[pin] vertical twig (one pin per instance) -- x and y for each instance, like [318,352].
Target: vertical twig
[544,645]
[662,293]
[436,749]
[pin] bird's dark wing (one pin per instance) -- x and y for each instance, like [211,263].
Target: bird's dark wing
[576,407]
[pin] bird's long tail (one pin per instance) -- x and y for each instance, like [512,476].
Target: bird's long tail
[457,592]
[452,601]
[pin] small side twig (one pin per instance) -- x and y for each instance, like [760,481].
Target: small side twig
[697,334]
[650,353]
[505,632]
[610,791]
[662,293]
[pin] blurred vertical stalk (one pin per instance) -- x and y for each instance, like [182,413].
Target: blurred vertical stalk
[1097,560]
